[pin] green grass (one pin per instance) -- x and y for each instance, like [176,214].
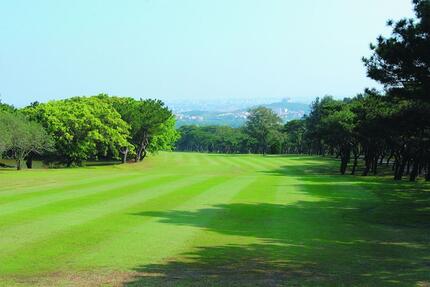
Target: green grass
[186,219]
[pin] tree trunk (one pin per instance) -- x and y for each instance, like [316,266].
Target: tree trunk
[142,148]
[408,166]
[367,162]
[124,156]
[144,154]
[428,172]
[354,165]
[375,166]
[400,170]
[388,159]
[343,165]
[29,161]
[18,164]
[345,156]
[414,172]
[138,154]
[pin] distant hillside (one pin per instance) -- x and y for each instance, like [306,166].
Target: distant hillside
[285,109]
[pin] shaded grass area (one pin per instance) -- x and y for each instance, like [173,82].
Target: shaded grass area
[348,238]
[184,219]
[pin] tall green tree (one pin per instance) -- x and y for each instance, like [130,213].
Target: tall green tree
[338,128]
[315,133]
[82,128]
[295,131]
[263,125]
[370,132]
[24,136]
[5,134]
[149,120]
[401,62]
[152,116]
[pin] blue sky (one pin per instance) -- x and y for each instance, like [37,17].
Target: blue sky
[193,50]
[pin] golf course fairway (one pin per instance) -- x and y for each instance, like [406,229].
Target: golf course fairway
[190,219]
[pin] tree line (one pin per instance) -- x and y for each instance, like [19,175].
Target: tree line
[382,128]
[74,130]
[261,134]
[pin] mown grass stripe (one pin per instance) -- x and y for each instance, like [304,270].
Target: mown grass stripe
[81,200]
[52,186]
[44,227]
[224,161]
[47,248]
[245,161]
[33,202]
[266,162]
[221,214]
[13,183]
[210,161]
[159,232]
[64,188]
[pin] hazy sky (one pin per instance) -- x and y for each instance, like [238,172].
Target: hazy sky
[179,49]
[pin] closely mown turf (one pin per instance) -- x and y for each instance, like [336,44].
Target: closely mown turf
[184,219]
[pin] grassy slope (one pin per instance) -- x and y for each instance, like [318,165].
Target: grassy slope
[183,219]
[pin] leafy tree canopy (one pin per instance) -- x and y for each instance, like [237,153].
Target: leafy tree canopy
[82,128]
[401,62]
[21,136]
[263,125]
[151,122]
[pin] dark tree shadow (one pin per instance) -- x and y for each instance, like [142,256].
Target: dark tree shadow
[303,244]
[229,265]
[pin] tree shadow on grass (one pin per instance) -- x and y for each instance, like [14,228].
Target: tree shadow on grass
[327,243]
[358,232]
[329,166]
[395,202]
[229,265]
